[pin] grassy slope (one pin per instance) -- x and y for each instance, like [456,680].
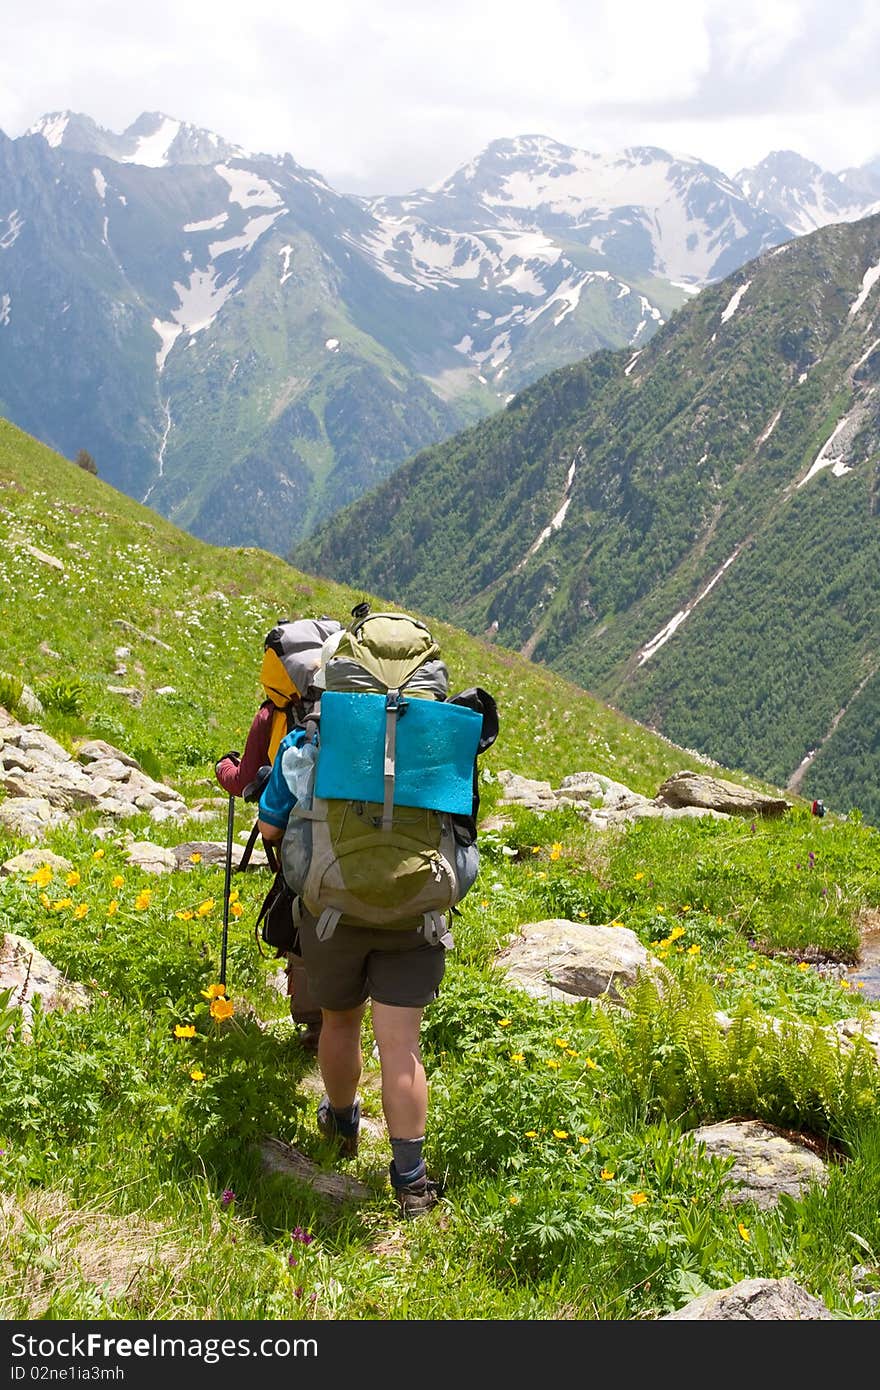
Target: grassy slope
[576,1199]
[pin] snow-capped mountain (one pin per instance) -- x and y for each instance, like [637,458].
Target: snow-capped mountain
[221,330]
[153,139]
[804,197]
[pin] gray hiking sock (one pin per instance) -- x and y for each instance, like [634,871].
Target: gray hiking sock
[407,1155]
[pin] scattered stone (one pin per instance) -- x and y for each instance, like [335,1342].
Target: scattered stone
[95,750]
[144,636]
[153,859]
[134,696]
[30,704]
[31,859]
[28,973]
[279,1157]
[766,1162]
[568,961]
[754,1300]
[714,793]
[166,690]
[44,559]
[214,852]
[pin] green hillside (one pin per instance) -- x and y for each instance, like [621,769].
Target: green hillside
[132,1185]
[691,531]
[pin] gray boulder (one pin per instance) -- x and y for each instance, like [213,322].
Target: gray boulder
[561,960]
[754,1300]
[766,1162]
[716,794]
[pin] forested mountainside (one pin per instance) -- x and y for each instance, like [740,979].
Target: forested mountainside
[690,529]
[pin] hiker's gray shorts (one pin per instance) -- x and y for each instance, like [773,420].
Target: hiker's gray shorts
[390,966]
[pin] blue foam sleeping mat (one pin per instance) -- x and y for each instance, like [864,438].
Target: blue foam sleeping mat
[434,755]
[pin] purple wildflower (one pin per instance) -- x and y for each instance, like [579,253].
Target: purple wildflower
[292,1260]
[824,892]
[297,1293]
[303,1236]
[753,827]
[228,1196]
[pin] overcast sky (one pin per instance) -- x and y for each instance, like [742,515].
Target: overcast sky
[382,96]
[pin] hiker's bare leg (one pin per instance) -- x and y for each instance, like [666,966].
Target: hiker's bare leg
[339,1054]
[404,1084]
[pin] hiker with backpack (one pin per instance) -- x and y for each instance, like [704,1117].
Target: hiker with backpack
[291,652]
[374,806]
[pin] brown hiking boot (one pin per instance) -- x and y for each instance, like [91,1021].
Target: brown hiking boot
[309,1037]
[417,1196]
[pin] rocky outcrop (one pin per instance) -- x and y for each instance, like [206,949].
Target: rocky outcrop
[717,794]
[607,804]
[766,1163]
[45,785]
[27,973]
[754,1300]
[569,961]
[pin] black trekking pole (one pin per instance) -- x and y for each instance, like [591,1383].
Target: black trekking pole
[230,822]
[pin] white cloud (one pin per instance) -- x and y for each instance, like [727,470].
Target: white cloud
[386,95]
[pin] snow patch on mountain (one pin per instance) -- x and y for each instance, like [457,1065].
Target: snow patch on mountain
[557,520]
[869,280]
[675,622]
[51,127]
[285,253]
[210,224]
[5,308]
[734,302]
[247,188]
[253,230]
[14,224]
[100,183]
[152,150]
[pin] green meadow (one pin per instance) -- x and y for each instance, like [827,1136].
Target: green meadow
[131,1178]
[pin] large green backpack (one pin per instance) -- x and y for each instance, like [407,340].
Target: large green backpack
[383,831]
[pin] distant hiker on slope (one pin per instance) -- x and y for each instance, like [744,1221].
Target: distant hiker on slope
[290,656]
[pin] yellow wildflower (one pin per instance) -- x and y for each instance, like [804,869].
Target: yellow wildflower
[560,1134]
[606,1174]
[561,1042]
[195,857]
[685,907]
[484,903]
[514,1201]
[803,965]
[517,1057]
[552,1062]
[205,908]
[504,1023]
[639,875]
[233,896]
[693,950]
[536,849]
[582,1140]
[214,992]
[541,877]
[80,912]
[531,1134]
[184,1030]
[185,914]
[752,965]
[588,1062]
[143,899]
[112,907]
[845,984]
[72,878]
[99,854]
[62,903]
[616,923]
[556,850]
[222,1008]
[41,876]
[570,1052]
[236,909]
[744,1232]
[638,1199]
[676,932]
[117,881]
[44,899]
[197,1075]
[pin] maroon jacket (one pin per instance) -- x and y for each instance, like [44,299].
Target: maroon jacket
[235,774]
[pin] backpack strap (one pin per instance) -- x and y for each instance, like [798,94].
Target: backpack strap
[394,707]
[248,849]
[326,924]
